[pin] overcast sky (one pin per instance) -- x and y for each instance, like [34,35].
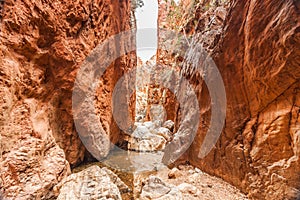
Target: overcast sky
[146,17]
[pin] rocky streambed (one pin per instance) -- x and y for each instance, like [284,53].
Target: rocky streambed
[184,182]
[138,173]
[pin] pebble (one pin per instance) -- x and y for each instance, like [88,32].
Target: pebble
[194,178]
[187,188]
[197,170]
[181,167]
[174,173]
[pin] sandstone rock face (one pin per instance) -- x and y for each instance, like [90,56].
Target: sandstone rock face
[142,85]
[256,50]
[91,183]
[32,168]
[42,46]
[157,113]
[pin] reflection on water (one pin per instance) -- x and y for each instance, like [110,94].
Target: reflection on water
[134,162]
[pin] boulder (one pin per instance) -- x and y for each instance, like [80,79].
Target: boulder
[155,188]
[174,173]
[155,143]
[164,132]
[169,124]
[91,183]
[32,168]
[151,125]
[144,140]
[141,132]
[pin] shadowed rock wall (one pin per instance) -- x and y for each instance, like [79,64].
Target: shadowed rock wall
[256,48]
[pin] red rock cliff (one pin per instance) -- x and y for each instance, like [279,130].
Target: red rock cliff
[42,45]
[257,52]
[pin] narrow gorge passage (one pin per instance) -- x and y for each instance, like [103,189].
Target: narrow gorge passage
[139,160]
[150,99]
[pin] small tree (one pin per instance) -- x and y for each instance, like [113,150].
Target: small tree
[134,5]
[137,4]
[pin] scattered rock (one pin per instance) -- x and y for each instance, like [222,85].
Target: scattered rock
[164,132]
[193,187]
[197,170]
[174,173]
[194,178]
[169,124]
[155,188]
[91,183]
[181,167]
[187,188]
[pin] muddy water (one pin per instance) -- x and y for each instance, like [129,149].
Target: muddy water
[134,162]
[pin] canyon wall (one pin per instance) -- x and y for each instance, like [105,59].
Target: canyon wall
[255,45]
[42,45]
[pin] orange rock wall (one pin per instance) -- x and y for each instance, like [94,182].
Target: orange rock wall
[42,44]
[257,54]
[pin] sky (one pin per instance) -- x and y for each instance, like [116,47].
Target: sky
[146,17]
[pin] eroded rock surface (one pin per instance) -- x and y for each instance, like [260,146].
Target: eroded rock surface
[154,188]
[256,49]
[149,136]
[157,113]
[42,44]
[32,168]
[91,183]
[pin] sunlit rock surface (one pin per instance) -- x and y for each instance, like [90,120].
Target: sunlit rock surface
[91,183]
[42,45]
